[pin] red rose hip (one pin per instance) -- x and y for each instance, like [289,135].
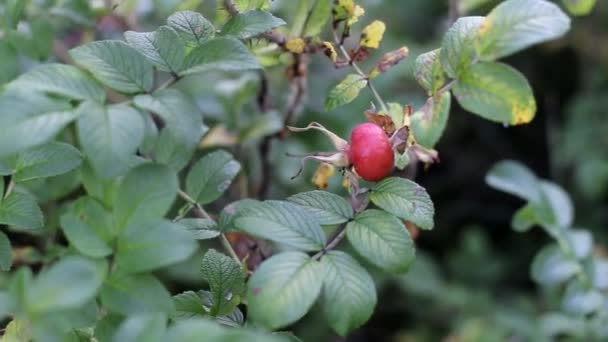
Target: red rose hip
[370,152]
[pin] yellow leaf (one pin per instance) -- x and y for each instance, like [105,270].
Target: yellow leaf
[330,51]
[321,177]
[347,10]
[372,34]
[296,45]
[357,13]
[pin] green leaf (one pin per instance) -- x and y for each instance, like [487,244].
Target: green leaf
[382,239]
[152,244]
[327,208]
[514,178]
[200,229]
[496,92]
[23,112]
[13,10]
[430,121]
[195,330]
[349,294]
[579,7]
[283,289]
[133,294]
[515,25]
[556,208]
[48,160]
[146,192]
[188,305]
[191,27]
[63,80]
[163,47]
[457,49]
[142,328]
[229,213]
[235,319]
[581,300]
[226,281]
[9,69]
[226,54]
[405,199]
[88,227]
[282,222]
[6,253]
[250,24]
[554,324]
[211,176]
[429,72]
[116,65]
[345,92]
[551,266]
[581,242]
[524,219]
[183,125]
[319,16]
[21,211]
[110,136]
[67,284]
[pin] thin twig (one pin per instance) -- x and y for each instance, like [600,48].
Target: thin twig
[340,233]
[200,212]
[350,61]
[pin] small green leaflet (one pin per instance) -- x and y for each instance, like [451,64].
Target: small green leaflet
[226,280]
[191,27]
[162,47]
[430,121]
[283,289]
[116,65]
[382,239]
[250,24]
[226,54]
[429,72]
[345,92]
[143,327]
[325,206]
[552,266]
[187,305]
[282,222]
[133,294]
[20,210]
[496,92]
[349,294]
[457,49]
[319,16]
[514,25]
[88,227]
[199,228]
[48,160]
[211,176]
[405,199]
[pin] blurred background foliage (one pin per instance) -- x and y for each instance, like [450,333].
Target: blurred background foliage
[471,279]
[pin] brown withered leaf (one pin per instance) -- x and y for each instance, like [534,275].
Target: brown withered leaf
[248,249]
[384,121]
[389,60]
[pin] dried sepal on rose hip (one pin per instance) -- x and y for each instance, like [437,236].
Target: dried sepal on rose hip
[369,151]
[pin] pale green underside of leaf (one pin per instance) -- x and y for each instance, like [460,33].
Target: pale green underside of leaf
[405,199]
[250,24]
[349,294]
[224,54]
[382,239]
[283,289]
[326,207]
[282,222]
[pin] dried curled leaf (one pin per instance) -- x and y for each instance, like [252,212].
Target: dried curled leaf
[382,120]
[372,34]
[389,60]
[330,51]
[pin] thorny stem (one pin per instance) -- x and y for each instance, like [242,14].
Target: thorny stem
[200,212]
[350,61]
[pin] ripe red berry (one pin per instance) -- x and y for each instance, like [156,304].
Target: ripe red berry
[370,152]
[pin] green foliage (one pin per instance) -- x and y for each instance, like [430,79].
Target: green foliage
[283,289]
[124,167]
[226,281]
[345,92]
[382,239]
